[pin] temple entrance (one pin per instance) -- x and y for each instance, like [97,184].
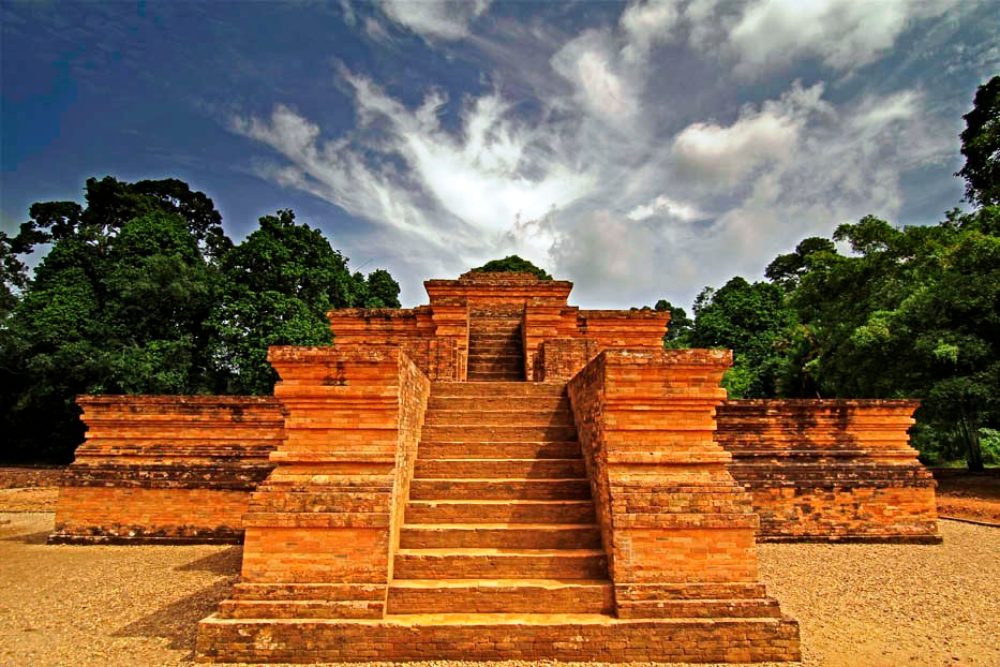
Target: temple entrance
[496,345]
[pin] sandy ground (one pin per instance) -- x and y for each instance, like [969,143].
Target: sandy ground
[858,605]
[967,495]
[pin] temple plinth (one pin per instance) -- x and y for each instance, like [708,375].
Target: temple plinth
[500,475]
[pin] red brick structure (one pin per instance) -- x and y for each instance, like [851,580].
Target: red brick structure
[830,470]
[499,475]
[166,468]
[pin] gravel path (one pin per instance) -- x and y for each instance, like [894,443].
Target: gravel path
[871,605]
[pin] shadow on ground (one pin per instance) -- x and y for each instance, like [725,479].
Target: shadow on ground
[225,563]
[177,622]
[28,538]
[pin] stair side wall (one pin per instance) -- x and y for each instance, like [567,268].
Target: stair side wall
[830,470]
[329,513]
[674,523]
[166,468]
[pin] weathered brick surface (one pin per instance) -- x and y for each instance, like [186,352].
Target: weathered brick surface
[166,468]
[494,326]
[500,556]
[326,521]
[677,529]
[583,638]
[830,469]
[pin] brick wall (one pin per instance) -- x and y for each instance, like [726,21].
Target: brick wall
[830,469]
[413,329]
[321,528]
[436,336]
[677,529]
[166,468]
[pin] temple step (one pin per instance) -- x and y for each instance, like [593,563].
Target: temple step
[526,468]
[526,637]
[509,433]
[500,489]
[498,403]
[491,376]
[492,511]
[538,449]
[498,418]
[496,389]
[526,596]
[468,563]
[500,535]
[299,608]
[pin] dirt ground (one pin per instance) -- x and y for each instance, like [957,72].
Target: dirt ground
[870,605]
[858,605]
[967,495]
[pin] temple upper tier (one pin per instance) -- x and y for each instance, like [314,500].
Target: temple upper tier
[475,328]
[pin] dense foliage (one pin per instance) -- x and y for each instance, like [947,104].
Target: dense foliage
[981,146]
[515,264]
[141,291]
[911,312]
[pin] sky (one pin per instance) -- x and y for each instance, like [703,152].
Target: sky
[642,150]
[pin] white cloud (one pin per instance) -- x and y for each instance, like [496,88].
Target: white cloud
[590,63]
[617,177]
[646,24]
[763,35]
[725,155]
[435,19]
[665,206]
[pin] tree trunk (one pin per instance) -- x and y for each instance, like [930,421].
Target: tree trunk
[973,450]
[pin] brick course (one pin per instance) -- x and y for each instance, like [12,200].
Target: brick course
[166,468]
[830,470]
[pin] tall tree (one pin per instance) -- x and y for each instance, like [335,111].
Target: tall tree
[114,307]
[277,287]
[753,321]
[913,312]
[680,326]
[14,276]
[981,146]
[383,290]
[142,292]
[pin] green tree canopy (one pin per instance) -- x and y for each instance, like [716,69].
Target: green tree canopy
[914,312]
[276,289]
[111,309]
[513,263]
[141,292]
[981,146]
[751,319]
[680,326]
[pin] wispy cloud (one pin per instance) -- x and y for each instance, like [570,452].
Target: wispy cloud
[435,19]
[617,179]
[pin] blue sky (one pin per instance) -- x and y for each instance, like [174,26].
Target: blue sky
[642,150]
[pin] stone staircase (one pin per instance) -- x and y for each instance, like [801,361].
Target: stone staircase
[500,518]
[496,346]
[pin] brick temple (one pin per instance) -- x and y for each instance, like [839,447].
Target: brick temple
[496,475]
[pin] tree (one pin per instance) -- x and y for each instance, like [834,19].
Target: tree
[142,292]
[514,264]
[787,270]
[111,203]
[754,322]
[14,274]
[680,326]
[912,313]
[277,286]
[981,146]
[383,290]
[114,308]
